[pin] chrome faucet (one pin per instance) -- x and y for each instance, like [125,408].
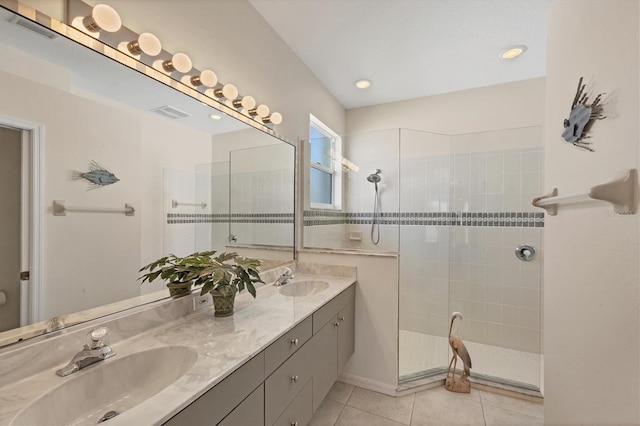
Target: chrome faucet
[284,278]
[93,351]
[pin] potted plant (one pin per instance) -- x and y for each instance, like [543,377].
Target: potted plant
[223,276]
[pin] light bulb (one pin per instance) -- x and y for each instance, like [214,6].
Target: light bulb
[513,52]
[179,62]
[205,78]
[246,102]
[261,111]
[146,43]
[363,83]
[275,118]
[228,91]
[103,17]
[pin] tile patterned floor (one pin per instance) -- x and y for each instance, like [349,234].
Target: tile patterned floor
[346,405]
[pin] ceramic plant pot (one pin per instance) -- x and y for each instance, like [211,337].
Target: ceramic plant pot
[179,289]
[223,305]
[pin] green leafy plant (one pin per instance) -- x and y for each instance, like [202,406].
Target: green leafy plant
[223,275]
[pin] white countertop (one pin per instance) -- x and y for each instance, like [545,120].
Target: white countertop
[222,344]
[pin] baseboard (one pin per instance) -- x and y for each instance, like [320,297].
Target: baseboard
[368,384]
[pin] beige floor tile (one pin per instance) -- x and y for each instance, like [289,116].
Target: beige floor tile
[340,392]
[441,407]
[353,417]
[327,413]
[529,408]
[390,407]
[500,416]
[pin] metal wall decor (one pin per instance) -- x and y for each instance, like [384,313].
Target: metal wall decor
[581,117]
[97,176]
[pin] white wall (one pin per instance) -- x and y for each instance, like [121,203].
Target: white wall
[503,106]
[591,263]
[80,250]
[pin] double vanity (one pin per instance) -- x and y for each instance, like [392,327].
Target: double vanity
[272,362]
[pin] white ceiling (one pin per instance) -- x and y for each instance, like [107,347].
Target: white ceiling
[410,48]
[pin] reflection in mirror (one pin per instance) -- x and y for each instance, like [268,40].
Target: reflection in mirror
[94,109]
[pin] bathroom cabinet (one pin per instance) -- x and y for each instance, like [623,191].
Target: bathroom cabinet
[285,383]
[331,347]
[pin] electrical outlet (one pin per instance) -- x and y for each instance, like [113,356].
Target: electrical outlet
[203,301]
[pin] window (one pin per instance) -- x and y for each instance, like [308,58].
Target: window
[325,179]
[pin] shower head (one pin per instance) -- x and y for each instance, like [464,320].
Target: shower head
[375,177]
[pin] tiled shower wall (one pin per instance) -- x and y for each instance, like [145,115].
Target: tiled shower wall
[350,228]
[262,195]
[262,207]
[470,266]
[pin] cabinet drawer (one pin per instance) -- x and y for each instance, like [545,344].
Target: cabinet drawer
[285,384]
[331,309]
[287,345]
[250,412]
[214,405]
[300,411]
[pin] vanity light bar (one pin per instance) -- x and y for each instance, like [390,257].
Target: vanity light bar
[179,67]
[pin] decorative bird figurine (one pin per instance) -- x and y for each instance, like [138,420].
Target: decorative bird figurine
[459,350]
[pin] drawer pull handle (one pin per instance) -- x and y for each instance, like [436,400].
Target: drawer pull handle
[337,324]
[294,423]
[294,379]
[294,342]
[341,319]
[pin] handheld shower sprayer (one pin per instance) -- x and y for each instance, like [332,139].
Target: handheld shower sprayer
[375,178]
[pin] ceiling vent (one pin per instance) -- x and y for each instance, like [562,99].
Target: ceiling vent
[32,26]
[171,112]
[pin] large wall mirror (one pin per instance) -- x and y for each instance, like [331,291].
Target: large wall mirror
[196,183]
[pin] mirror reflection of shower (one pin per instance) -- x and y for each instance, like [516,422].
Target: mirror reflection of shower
[375,178]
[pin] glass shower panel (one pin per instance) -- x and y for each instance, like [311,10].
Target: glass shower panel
[495,175]
[261,203]
[465,205]
[424,253]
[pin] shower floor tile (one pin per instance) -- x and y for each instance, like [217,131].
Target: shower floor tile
[421,352]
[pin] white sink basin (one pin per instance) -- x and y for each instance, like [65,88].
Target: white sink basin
[304,288]
[116,384]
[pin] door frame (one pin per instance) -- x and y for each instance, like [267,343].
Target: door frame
[31,230]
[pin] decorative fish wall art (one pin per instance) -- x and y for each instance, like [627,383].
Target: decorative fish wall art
[581,117]
[97,175]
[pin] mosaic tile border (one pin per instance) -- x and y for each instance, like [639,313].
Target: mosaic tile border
[504,219]
[182,218]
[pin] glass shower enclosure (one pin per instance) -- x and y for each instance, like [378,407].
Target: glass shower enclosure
[465,206]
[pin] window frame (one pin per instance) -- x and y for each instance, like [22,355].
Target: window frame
[334,170]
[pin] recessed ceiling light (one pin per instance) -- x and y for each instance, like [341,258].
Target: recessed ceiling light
[513,52]
[216,116]
[362,83]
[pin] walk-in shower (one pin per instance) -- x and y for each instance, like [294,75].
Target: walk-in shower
[454,208]
[375,178]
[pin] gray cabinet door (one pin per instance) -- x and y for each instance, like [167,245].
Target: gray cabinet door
[250,412]
[300,411]
[323,348]
[346,335]
[285,384]
[216,403]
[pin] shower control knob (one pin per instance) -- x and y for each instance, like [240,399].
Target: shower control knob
[525,252]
